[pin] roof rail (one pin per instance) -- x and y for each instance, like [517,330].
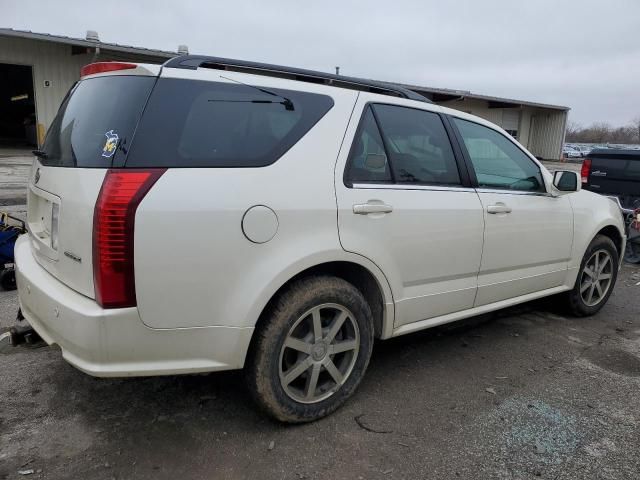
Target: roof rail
[194,62]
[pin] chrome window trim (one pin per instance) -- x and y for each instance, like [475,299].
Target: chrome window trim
[401,186]
[513,192]
[441,188]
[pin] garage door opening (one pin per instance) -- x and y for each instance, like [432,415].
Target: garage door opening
[17,106]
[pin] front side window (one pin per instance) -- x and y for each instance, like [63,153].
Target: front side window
[498,162]
[402,145]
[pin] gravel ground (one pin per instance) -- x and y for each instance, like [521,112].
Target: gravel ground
[524,393]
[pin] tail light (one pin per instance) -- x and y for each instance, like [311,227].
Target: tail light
[113,231]
[102,67]
[586,170]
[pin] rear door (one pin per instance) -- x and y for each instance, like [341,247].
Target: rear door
[403,202]
[528,233]
[91,133]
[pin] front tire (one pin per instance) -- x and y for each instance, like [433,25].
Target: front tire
[311,350]
[596,278]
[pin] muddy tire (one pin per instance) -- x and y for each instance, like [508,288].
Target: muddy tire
[596,278]
[311,349]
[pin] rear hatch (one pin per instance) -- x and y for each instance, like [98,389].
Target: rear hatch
[90,134]
[615,172]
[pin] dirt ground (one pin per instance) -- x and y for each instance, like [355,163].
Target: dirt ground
[525,393]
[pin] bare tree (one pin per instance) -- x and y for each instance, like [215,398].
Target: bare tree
[602,132]
[636,124]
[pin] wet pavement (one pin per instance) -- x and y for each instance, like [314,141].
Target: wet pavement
[523,393]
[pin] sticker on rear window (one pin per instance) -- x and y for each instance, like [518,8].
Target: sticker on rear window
[110,145]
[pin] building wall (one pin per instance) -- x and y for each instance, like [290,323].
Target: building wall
[51,62]
[476,107]
[540,130]
[524,130]
[547,133]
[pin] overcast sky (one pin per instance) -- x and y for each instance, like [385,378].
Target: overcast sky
[584,54]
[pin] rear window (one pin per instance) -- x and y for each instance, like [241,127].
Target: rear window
[191,123]
[95,123]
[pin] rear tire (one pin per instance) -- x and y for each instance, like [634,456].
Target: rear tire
[311,350]
[596,278]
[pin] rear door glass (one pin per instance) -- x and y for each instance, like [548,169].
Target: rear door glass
[418,145]
[95,123]
[191,123]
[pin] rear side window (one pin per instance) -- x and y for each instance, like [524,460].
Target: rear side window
[368,163]
[497,161]
[418,145]
[210,124]
[95,123]
[402,145]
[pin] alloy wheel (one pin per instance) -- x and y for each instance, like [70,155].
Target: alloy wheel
[319,353]
[596,278]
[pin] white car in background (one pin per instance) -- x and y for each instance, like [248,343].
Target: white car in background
[570,152]
[213,214]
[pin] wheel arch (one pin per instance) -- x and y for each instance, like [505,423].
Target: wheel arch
[612,232]
[370,281]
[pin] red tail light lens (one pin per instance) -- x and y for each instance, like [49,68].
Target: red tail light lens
[102,67]
[586,170]
[113,231]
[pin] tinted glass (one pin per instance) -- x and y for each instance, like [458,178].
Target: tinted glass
[497,161]
[368,162]
[95,122]
[418,146]
[209,124]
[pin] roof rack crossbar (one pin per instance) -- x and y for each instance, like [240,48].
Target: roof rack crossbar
[194,62]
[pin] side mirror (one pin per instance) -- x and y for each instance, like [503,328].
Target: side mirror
[567,181]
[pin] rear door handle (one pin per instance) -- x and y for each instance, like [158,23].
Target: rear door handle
[367,208]
[498,208]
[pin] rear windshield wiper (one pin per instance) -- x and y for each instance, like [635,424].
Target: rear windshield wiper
[40,154]
[288,104]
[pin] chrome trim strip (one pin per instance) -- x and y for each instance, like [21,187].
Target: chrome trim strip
[446,278]
[513,192]
[528,265]
[399,186]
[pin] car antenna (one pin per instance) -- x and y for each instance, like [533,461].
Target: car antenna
[288,104]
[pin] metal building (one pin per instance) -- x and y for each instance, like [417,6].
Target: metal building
[37,70]
[539,127]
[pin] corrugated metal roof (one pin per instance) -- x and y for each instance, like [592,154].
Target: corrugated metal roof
[467,94]
[164,54]
[81,42]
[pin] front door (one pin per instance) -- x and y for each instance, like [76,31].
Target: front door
[403,205]
[528,233]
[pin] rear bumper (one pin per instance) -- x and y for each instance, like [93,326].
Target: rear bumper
[115,342]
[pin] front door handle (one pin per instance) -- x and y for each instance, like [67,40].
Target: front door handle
[370,207]
[498,208]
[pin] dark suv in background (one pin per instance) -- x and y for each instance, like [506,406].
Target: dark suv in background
[616,173]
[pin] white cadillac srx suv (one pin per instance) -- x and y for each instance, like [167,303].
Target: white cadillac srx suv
[212,214]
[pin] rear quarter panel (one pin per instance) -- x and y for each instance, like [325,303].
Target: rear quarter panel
[195,267]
